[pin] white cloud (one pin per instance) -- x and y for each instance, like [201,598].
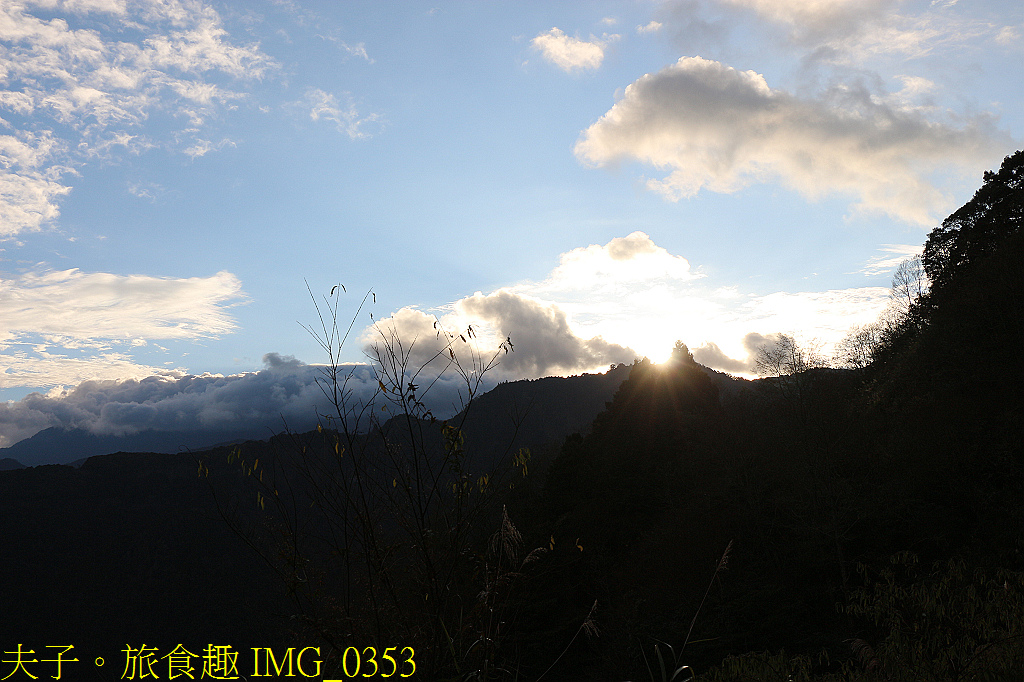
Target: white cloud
[149,190]
[74,91]
[719,128]
[881,264]
[61,327]
[569,53]
[609,303]
[543,341]
[28,199]
[851,33]
[202,147]
[39,367]
[710,355]
[911,37]
[847,31]
[818,16]
[357,50]
[29,180]
[822,314]
[203,47]
[913,87]
[651,27]
[623,260]
[347,119]
[1008,36]
[570,322]
[650,298]
[102,305]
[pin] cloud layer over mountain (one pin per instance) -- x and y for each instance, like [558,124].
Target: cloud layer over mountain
[287,392]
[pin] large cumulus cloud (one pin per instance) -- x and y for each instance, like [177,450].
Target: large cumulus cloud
[543,342]
[715,127]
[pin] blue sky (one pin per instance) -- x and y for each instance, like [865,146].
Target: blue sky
[595,180]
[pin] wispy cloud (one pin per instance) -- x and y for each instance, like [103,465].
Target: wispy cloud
[572,54]
[39,366]
[63,327]
[1009,36]
[818,21]
[912,36]
[719,128]
[850,31]
[894,255]
[202,147]
[322,105]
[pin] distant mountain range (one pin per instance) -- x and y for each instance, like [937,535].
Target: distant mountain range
[71,446]
[524,413]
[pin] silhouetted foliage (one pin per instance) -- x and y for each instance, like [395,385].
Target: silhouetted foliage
[986,224]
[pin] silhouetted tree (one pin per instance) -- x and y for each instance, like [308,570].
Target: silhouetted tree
[980,227]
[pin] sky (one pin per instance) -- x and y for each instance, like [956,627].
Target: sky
[180,180]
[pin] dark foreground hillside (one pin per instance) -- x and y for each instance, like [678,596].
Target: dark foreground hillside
[129,548]
[817,524]
[135,547]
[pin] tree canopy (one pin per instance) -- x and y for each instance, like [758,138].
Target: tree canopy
[981,226]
